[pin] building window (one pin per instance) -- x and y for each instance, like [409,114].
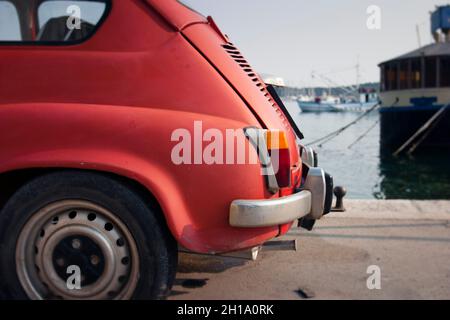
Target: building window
[53,21]
[430,72]
[445,72]
[416,73]
[404,75]
[391,76]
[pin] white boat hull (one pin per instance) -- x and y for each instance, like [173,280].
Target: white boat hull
[355,107]
[307,106]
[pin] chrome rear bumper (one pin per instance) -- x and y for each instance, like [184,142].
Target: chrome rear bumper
[310,202]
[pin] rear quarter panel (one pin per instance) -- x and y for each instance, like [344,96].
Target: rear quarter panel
[136,143]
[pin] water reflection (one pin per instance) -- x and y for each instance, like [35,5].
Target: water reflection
[363,170]
[425,175]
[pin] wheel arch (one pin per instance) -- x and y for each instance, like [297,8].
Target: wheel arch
[11,181]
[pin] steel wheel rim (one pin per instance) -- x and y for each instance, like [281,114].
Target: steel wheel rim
[80,233]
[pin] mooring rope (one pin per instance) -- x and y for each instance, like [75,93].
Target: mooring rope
[426,129]
[364,134]
[334,134]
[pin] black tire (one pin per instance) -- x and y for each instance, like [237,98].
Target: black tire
[157,250]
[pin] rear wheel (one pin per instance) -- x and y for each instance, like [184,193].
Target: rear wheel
[82,235]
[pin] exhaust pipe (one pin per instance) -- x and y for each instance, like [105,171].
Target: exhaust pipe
[252,254]
[286,245]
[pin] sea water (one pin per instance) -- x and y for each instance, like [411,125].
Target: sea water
[365,170]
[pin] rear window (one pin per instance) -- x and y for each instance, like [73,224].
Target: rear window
[50,21]
[9,22]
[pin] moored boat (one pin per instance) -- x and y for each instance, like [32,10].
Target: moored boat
[414,87]
[317,106]
[336,104]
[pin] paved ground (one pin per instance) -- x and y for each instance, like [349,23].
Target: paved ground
[408,240]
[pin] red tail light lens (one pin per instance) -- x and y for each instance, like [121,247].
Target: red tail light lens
[280,157]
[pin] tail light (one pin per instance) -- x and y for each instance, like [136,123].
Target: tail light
[278,148]
[273,151]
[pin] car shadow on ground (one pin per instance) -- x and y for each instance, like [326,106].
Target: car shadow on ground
[192,264]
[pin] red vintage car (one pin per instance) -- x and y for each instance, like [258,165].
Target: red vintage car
[95,99]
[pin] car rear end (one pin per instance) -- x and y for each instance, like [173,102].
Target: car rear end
[298,189]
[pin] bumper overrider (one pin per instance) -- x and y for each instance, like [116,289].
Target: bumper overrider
[311,201]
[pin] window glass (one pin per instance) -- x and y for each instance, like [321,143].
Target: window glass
[89,11]
[430,72]
[386,77]
[57,21]
[392,76]
[445,72]
[9,22]
[416,73]
[404,74]
[387,70]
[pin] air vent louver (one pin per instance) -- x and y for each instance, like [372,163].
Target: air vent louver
[236,55]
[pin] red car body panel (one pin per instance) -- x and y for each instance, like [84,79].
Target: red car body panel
[176,14]
[254,93]
[111,104]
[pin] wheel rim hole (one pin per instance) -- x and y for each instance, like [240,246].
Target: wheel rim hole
[92,216]
[120,242]
[76,244]
[109,226]
[112,294]
[42,234]
[55,220]
[72,214]
[95,260]
[122,279]
[60,262]
[125,260]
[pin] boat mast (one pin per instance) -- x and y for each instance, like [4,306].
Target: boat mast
[418,36]
[358,78]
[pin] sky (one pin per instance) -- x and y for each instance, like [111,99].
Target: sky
[293,38]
